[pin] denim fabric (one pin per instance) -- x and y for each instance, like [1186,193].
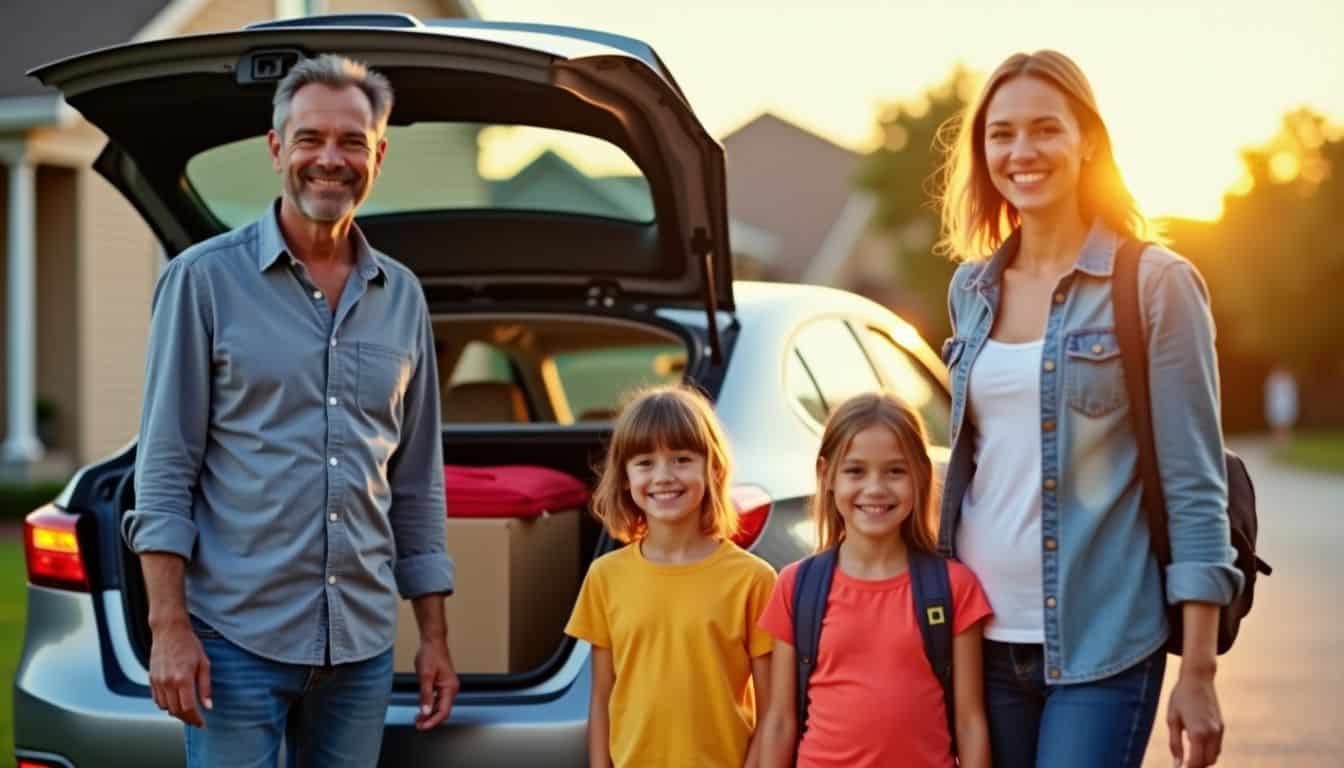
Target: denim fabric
[1102,724]
[321,716]
[1103,609]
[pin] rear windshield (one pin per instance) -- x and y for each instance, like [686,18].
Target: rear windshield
[436,166]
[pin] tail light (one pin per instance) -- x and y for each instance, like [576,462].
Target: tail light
[753,508]
[52,550]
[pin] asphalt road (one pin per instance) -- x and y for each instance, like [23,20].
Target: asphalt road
[1281,687]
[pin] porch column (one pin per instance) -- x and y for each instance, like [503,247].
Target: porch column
[21,445]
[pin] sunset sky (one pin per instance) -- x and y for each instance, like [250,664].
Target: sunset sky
[1182,85]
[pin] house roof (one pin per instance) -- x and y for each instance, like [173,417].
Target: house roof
[789,182]
[40,31]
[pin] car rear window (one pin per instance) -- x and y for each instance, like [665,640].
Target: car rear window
[597,381]
[453,166]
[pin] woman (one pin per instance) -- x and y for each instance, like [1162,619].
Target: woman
[1042,491]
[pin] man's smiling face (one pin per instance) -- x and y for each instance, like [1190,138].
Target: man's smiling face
[330,152]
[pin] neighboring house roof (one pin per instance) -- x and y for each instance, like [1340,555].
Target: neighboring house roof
[551,183]
[798,187]
[41,31]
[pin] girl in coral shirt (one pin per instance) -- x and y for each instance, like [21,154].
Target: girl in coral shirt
[873,698]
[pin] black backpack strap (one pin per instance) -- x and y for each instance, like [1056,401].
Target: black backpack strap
[1134,358]
[932,589]
[809,607]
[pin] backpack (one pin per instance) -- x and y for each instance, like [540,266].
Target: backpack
[932,590]
[1241,513]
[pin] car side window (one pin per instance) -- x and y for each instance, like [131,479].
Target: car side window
[836,360]
[803,388]
[480,361]
[912,382]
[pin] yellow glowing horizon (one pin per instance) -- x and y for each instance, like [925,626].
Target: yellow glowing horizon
[1183,89]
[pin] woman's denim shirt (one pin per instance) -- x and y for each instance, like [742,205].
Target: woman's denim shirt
[1102,591]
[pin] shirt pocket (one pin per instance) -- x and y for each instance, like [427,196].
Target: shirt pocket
[381,379]
[1094,380]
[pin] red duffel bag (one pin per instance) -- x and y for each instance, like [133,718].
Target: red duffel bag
[510,491]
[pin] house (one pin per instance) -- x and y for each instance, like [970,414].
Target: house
[798,189]
[77,266]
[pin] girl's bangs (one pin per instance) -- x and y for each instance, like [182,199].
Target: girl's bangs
[662,423]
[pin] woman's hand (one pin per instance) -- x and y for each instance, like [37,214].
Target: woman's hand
[1193,710]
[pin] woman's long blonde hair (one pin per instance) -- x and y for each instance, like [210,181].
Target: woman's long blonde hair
[675,418]
[976,219]
[920,528]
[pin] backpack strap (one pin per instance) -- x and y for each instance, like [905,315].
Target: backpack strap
[931,587]
[809,607]
[1134,358]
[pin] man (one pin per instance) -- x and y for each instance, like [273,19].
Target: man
[289,475]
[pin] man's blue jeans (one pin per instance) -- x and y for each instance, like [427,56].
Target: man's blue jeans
[1103,724]
[321,716]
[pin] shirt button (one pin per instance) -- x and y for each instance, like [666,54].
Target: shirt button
[1049,426]
[1049,483]
[1049,543]
[331,579]
[1050,602]
[1096,349]
[333,341]
[1059,298]
[331,401]
[1049,364]
[332,461]
[317,294]
[1054,673]
[332,517]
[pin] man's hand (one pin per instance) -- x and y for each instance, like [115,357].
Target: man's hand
[179,671]
[1193,710]
[438,682]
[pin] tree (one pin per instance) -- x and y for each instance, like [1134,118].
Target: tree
[902,175]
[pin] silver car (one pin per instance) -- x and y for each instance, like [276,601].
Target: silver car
[553,289]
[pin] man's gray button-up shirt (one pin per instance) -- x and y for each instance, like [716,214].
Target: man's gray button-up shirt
[291,455]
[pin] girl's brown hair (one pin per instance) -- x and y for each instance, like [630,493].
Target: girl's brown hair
[976,219]
[675,418]
[919,530]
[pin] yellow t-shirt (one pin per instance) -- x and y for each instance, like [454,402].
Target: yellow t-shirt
[682,638]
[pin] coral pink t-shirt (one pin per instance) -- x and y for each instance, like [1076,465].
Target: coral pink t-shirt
[873,699]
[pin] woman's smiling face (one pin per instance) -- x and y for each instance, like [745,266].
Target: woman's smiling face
[1034,146]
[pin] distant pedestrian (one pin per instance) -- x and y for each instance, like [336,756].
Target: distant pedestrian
[1281,404]
[1042,496]
[677,657]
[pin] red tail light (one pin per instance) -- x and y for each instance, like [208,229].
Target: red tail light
[52,550]
[753,508]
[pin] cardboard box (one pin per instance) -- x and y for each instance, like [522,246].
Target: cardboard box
[517,579]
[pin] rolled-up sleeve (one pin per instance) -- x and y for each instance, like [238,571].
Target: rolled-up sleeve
[1183,376]
[175,415]
[419,511]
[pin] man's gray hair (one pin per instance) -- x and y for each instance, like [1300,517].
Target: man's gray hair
[336,72]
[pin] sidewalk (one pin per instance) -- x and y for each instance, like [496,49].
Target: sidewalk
[1280,686]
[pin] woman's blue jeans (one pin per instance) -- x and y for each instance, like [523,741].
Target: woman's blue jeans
[1102,724]
[320,716]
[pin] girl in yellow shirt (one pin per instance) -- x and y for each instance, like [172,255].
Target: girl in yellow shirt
[678,661]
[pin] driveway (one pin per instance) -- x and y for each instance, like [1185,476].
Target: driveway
[1281,686]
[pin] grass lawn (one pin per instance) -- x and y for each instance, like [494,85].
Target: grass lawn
[1315,450]
[13,596]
